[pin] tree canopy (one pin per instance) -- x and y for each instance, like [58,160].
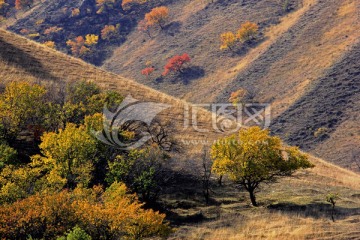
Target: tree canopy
[252,157]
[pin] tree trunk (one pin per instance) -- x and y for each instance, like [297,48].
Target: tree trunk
[220,180]
[253,198]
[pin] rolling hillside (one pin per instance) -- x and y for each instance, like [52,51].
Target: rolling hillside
[295,206]
[305,61]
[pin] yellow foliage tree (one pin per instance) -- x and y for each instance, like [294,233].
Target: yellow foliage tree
[91,39]
[17,111]
[71,153]
[247,32]
[75,12]
[228,40]
[109,32]
[158,15]
[113,214]
[50,44]
[252,157]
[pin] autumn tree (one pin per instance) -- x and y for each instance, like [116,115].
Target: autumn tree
[75,12]
[247,32]
[2,4]
[20,4]
[17,111]
[71,154]
[176,64]
[77,46]
[50,44]
[157,16]
[91,39]
[113,214]
[110,32]
[52,30]
[228,40]
[253,157]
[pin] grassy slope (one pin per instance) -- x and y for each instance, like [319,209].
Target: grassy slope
[293,208]
[287,68]
[22,59]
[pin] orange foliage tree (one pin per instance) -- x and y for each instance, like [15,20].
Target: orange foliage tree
[158,15]
[52,30]
[113,214]
[176,64]
[77,46]
[20,4]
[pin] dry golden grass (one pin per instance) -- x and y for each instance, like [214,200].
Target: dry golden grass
[272,226]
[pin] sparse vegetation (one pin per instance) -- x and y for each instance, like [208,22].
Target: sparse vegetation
[238,96]
[332,199]
[246,33]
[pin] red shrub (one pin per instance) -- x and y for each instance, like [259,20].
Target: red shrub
[147,71]
[176,64]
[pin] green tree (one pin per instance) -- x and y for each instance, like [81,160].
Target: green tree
[144,172]
[252,157]
[8,155]
[76,234]
[84,99]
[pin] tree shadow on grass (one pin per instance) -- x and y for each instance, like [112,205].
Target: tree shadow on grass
[189,74]
[244,48]
[315,210]
[172,28]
